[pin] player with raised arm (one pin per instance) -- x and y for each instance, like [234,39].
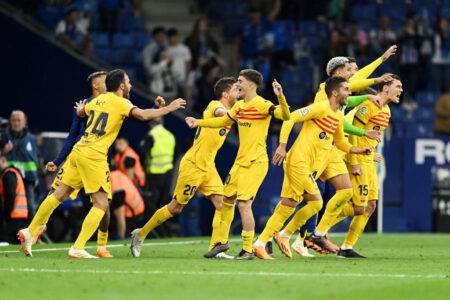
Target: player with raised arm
[252,115]
[87,164]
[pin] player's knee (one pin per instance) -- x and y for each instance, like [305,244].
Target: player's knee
[371,206]
[175,208]
[217,201]
[359,210]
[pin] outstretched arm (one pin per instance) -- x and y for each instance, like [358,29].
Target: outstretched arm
[217,122]
[151,113]
[370,68]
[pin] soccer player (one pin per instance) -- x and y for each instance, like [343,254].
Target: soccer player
[252,115]
[197,170]
[336,172]
[87,164]
[97,83]
[363,169]
[306,160]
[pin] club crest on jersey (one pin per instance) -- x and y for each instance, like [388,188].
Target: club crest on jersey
[322,135]
[363,110]
[304,111]
[222,131]
[376,127]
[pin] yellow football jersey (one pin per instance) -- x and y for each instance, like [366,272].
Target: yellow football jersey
[370,117]
[106,114]
[207,140]
[253,120]
[322,128]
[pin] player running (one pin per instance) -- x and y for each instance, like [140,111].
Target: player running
[87,165]
[252,115]
[197,171]
[307,159]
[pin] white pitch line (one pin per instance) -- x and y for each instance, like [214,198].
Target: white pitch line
[206,273]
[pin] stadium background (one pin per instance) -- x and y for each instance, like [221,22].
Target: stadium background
[44,76]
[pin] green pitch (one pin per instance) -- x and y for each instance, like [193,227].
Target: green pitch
[399,267]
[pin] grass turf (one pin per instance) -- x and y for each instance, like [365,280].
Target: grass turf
[407,266]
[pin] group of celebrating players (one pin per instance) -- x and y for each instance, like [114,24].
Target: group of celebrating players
[336,144]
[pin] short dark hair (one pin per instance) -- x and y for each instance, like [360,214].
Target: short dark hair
[394,77]
[158,29]
[351,59]
[172,32]
[253,76]
[223,85]
[333,83]
[113,79]
[94,75]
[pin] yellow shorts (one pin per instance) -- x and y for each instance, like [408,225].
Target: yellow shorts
[296,183]
[57,181]
[191,178]
[335,165]
[365,186]
[244,181]
[81,171]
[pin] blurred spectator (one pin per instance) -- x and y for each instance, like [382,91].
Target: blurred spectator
[383,36]
[159,148]
[441,56]
[48,13]
[162,81]
[409,44]
[13,201]
[127,204]
[442,110]
[335,45]
[357,41]
[204,87]
[202,44]
[73,33]
[24,155]
[109,15]
[128,162]
[180,55]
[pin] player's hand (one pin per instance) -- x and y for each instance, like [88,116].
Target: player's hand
[8,147]
[373,135]
[361,150]
[384,78]
[378,158]
[389,52]
[356,170]
[191,122]
[79,108]
[280,155]
[176,104]
[375,99]
[277,88]
[160,102]
[51,167]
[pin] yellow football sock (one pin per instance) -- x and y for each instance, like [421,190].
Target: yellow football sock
[215,228]
[226,220]
[303,215]
[90,225]
[356,229]
[247,240]
[102,238]
[347,211]
[159,217]
[44,212]
[276,222]
[333,209]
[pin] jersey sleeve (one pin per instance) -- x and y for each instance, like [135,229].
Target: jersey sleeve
[364,113]
[367,70]
[125,107]
[265,107]
[212,107]
[88,107]
[360,84]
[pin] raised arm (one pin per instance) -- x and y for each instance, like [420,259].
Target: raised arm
[370,68]
[280,112]
[151,113]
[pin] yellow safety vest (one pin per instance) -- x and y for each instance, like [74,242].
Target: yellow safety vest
[161,154]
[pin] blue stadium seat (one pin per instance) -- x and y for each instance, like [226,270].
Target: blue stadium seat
[141,40]
[122,41]
[100,39]
[131,24]
[366,11]
[312,28]
[49,15]
[396,11]
[283,32]
[445,11]
[427,98]
[414,130]
[398,114]
[423,114]
[103,54]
